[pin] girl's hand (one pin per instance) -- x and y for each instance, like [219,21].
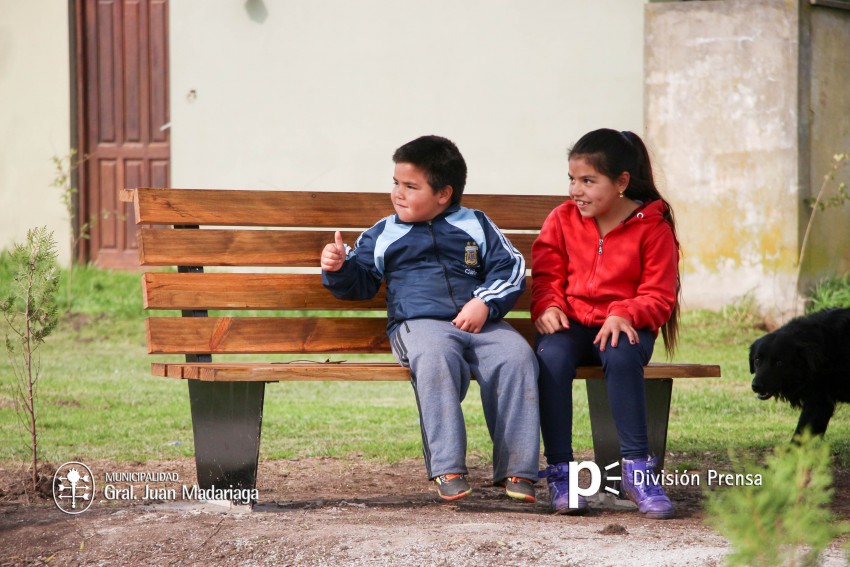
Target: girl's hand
[473,316]
[551,321]
[612,328]
[333,256]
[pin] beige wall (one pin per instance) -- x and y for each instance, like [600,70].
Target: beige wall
[317,95]
[35,117]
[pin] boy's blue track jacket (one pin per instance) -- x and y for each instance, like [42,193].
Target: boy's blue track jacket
[432,268]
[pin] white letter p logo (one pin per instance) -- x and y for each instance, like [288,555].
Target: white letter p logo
[575,489]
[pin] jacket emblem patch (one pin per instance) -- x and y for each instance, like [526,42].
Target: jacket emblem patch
[470,257]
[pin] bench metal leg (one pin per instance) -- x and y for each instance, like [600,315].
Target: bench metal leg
[226,420]
[606,445]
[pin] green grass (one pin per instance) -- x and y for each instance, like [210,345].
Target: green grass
[98,400]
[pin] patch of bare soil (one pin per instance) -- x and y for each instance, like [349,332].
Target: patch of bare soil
[337,512]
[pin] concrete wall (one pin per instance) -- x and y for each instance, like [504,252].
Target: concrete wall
[828,97]
[725,85]
[317,95]
[35,118]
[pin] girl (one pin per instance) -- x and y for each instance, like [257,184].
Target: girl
[605,280]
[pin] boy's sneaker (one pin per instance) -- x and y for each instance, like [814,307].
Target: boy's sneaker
[647,493]
[558,479]
[452,486]
[520,488]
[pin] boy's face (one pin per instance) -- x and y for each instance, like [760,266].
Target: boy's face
[413,197]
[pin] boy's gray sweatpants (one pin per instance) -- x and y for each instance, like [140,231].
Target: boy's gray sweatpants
[441,357]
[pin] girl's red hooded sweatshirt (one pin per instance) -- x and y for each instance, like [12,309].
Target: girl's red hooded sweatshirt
[631,273]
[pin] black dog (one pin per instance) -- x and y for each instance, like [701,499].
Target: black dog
[806,362]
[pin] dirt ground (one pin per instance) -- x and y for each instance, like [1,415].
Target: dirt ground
[337,512]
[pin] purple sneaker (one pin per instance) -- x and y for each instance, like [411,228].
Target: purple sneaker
[557,477]
[642,487]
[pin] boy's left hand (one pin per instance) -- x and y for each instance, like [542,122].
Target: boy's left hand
[473,316]
[612,328]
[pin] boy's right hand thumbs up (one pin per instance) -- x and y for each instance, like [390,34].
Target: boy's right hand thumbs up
[333,256]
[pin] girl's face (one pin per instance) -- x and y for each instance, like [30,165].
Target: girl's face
[596,195]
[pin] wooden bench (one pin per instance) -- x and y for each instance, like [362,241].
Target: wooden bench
[288,229]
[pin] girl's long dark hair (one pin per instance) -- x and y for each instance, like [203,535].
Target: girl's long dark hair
[611,153]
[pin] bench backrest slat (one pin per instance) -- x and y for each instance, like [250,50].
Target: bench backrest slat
[255,291]
[218,247]
[315,209]
[281,335]
[245,291]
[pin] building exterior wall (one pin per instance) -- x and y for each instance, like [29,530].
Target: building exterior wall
[35,118]
[317,95]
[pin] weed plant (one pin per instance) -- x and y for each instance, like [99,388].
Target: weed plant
[830,292]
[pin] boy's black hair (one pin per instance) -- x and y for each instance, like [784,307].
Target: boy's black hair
[439,159]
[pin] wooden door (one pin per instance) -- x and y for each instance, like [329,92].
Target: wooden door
[122,118]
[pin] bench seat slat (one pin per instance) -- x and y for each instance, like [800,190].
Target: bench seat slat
[307,208]
[220,247]
[255,291]
[376,371]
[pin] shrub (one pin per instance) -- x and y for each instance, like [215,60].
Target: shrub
[787,520]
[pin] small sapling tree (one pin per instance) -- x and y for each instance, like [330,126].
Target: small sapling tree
[29,308]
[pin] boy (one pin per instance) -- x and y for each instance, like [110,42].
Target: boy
[451,276]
